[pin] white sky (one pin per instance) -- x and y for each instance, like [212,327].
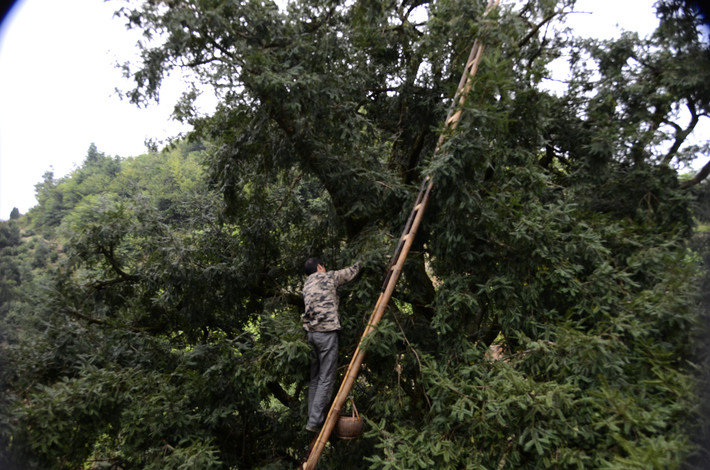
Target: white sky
[57,94]
[58,76]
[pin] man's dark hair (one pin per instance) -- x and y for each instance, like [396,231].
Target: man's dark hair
[312,265]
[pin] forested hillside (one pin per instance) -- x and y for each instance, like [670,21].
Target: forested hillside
[150,306]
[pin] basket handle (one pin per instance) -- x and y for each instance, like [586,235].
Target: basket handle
[355,413]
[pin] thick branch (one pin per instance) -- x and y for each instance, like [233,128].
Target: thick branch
[102,284]
[681,134]
[702,174]
[108,254]
[76,314]
[281,395]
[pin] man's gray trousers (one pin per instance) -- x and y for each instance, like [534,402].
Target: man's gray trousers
[324,368]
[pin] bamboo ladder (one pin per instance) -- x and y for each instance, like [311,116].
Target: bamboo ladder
[400,254]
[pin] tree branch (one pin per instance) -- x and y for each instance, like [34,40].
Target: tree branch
[108,254]
[537,27]
[700,176]
[281,395]
[681,134]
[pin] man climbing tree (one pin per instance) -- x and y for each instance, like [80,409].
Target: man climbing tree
[321,321]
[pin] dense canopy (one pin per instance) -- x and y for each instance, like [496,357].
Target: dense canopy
[548,315]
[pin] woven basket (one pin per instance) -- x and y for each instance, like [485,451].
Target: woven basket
[349,427]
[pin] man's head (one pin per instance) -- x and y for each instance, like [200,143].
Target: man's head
[312,265]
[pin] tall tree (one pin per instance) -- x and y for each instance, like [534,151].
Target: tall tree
[556,231]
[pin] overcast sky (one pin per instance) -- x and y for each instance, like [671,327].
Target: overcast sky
[57,94]
[58,75]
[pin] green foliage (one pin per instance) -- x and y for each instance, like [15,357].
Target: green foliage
[10,276]
[150,305]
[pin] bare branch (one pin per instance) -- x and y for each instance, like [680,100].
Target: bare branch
[681,134]
[537,27]
[699,177]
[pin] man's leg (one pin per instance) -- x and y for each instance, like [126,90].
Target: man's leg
[315,371]
[322,383]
